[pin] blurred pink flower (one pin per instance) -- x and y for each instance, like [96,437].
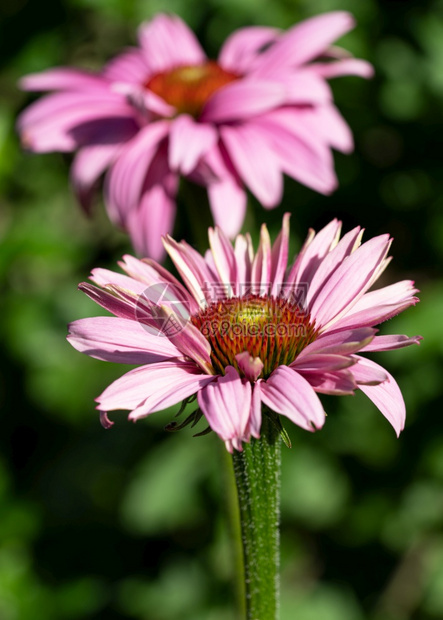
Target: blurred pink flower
[163,110]
[243,330]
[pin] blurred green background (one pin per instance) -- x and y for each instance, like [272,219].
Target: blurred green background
[130,522]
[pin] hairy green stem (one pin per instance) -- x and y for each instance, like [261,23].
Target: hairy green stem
[257,474]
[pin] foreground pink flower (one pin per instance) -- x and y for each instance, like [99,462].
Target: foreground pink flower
[163,110]
[242,331]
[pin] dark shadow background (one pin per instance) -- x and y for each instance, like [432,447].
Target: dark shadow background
[130,522]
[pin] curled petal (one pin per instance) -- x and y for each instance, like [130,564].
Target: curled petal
[250,366]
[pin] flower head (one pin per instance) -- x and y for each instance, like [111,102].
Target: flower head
[242,330]
[164,109]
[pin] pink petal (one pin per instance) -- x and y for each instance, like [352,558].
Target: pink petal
[346,66]
[226,404]
[345,247]
[48,124]
[350,281]
[242,99]
[192,268]
[63,78]
[386,396]
[261,266]
[223,256]
[154,275]
[89,163]
[147,105]
[339,383]
[188,142]
[119,307]
[305,41]
[342,342]
[164,384]
[228,202]
[389,343]
[279,257]
[326,123]
[119,340]
[188,339]
[146,272]
[166,396]
[368,374]
[129,66]
[167,42]
[58,104]
[378,306]
[244,256]
[250,366]
[288,393]
[243,46]
[306,159]
[155,104]
[326,362]
[227,197]
[313,252]
[155,214]
[304,87]
[256,415]
[255,162]
[104,277]
[126,179]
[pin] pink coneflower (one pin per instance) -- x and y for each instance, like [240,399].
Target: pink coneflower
[242,331]
[163,109]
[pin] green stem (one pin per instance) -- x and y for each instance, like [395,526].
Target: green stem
[257,474]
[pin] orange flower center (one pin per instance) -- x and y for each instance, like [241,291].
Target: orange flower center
[189,87]
[271,328]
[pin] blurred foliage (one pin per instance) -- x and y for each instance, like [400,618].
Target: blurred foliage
[130,523]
